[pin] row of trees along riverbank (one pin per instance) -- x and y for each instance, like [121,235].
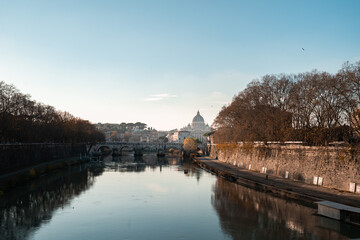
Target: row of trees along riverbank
[25,120]
[313,107]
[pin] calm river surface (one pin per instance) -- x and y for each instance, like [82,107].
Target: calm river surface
[151,198]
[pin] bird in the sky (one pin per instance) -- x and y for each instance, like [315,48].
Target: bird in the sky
[303,49]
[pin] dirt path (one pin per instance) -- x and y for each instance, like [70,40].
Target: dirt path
[282,187]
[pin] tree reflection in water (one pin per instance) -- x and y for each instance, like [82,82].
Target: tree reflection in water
[243,213]
[25,208]
[247,214]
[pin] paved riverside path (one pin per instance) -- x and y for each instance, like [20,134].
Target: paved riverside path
[288,188]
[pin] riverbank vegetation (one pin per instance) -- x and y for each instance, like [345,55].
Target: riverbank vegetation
[25,120]
[190,147]
[313,107]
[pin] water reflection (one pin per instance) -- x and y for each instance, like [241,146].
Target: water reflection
[138,164]
[247,214]
[128,193]
[129,163]
[25,208]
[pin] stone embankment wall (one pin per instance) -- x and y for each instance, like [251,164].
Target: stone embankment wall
[18,156]
[337,166]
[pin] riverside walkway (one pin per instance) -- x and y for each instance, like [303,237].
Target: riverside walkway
[286,188]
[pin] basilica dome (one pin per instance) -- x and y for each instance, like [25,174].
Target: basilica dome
[196,129]
[198,118]
[198,122]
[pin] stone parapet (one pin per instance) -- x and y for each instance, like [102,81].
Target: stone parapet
[333,166]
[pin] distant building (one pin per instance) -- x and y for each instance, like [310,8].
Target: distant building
[179,136]
[196,129]
[138,135]
[170,135]
[128,132]
[162,133]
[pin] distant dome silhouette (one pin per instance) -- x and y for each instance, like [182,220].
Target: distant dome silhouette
[198,118]
[196,129]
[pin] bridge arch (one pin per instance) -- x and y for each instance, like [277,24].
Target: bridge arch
[101,148]
[104,148]
[146,148]
[137,148]
[131,148]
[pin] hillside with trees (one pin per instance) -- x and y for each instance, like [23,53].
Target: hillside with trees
[313,107]
[23,120]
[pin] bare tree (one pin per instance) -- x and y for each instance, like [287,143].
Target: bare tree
[24,120]
[315,107]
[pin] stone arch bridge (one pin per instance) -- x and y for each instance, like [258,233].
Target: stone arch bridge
[138,148]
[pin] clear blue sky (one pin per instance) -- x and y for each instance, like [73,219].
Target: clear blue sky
[158,62]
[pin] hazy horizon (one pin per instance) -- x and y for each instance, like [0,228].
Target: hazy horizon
[159,62]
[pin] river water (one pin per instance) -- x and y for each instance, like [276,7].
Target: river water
[154,198]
